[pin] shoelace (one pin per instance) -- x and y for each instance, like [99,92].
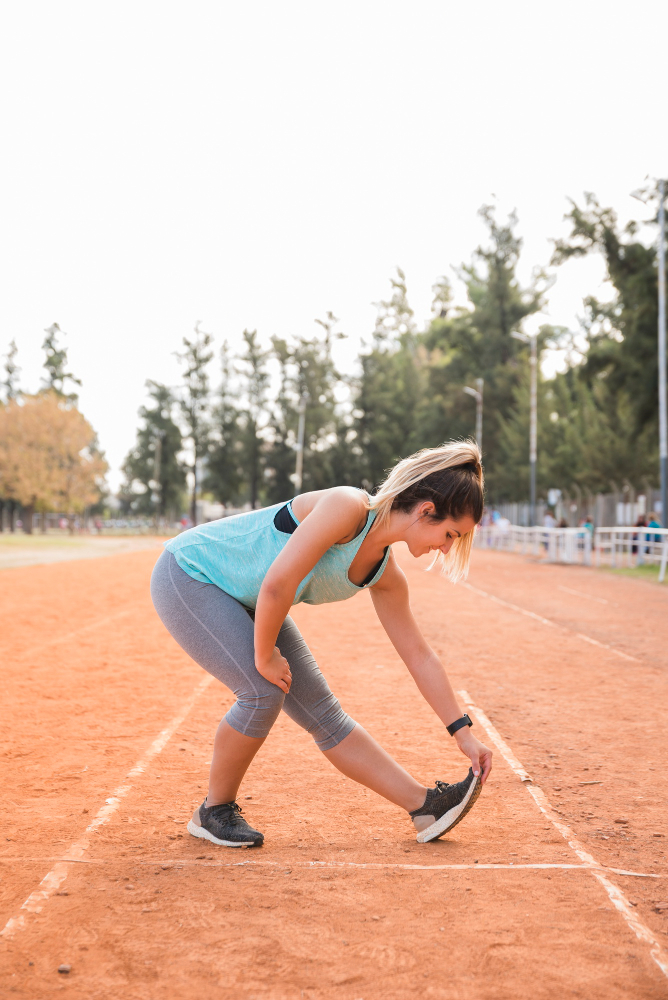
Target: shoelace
[234,808]
[441,786]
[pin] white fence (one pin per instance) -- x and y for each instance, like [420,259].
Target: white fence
[633,547]
[567,545]
[615,547]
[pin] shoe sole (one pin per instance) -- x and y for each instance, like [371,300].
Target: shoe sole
[199,831]
[453,816]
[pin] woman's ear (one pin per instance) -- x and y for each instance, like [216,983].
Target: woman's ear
[427,509]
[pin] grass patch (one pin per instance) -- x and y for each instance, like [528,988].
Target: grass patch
[649,573]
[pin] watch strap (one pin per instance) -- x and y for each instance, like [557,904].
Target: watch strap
[459,724]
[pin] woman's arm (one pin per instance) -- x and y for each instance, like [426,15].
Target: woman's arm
[336,515]
[390,599]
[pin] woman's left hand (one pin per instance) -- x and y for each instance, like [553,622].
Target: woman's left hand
[479,755]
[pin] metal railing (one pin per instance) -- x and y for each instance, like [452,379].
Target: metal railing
[616,547]
[566,545]
[632,547]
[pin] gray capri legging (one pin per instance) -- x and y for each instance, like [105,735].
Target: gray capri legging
[217,632]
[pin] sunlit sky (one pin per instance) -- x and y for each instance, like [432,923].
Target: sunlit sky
[255,165]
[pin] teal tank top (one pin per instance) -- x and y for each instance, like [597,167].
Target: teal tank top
[236,552]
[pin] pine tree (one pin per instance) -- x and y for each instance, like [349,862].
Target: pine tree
[476,342]
[55,364]
[194,401]
[10,381]
[255,387]
[225,467]
[388,391]
[155,476]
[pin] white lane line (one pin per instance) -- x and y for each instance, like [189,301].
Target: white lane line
[55,878]
[581,593]
[615,894]
[547,621]
[176,862]
[78,631]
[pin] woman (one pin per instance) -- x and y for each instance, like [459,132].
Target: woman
[224,591]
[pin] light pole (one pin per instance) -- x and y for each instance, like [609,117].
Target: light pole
[477,395]
[299,464]
[532,339]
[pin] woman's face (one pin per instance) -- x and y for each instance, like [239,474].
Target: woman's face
[423,535]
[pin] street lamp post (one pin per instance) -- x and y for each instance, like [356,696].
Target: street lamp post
[532,339]
[477,395]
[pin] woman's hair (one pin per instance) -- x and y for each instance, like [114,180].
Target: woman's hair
[451,477]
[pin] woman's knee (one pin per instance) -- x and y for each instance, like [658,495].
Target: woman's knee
[254,713]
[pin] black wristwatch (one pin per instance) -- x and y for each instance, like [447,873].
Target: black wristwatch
[459,724]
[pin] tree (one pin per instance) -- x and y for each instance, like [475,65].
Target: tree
[621,335]
[10,382]
[308,373]
[194,402]
[49,459]
[255,384]
[11,391]
[388,390]
[55,364]
[155,476]
[226,466]
[476,342]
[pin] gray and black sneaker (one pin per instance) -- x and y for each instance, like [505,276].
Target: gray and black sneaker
[445,806]
[223,824]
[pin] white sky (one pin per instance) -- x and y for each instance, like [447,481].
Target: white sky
[256,164]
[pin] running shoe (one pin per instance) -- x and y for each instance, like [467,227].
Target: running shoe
[444,807]
[223,824]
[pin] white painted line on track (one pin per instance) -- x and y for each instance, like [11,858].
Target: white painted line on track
[199,863]
[78,631]
[615,894]
[547,621]
[55,878]
[581,593]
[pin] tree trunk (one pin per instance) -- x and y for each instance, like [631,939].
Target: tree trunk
[12,516]
[26,517]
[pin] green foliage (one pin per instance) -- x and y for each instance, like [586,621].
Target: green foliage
[194,401]
[477,342]
[155,476]
[596,420]
[253,412]
[621,334]
[55,364]
[10,381]
[225,473]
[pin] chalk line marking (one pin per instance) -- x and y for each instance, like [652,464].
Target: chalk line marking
[55,878]
[78,631]
[547,621]
[615,894]
[380,866]
[581,593]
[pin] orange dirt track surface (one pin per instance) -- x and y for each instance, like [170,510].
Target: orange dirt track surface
[330,907]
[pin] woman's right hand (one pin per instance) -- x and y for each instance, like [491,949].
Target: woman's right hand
[276,670]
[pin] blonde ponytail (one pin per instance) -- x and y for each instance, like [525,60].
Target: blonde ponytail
[452,477]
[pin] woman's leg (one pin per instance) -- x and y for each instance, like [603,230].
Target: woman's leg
[232,756]
[355,753]
[359,757]
[217,632]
